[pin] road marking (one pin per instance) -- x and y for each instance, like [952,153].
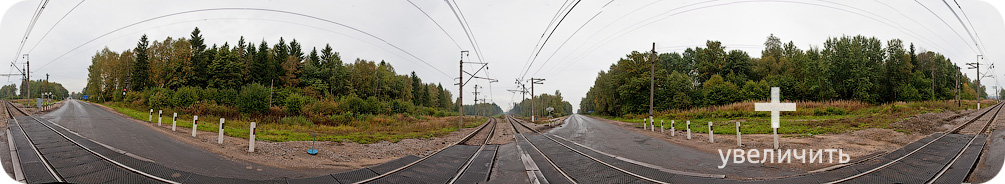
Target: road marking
[533,172]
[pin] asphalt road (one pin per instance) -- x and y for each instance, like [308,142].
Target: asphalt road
[124,134]
[614,140]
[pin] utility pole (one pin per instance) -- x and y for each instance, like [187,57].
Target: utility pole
[958,103]
[476,100]
[460,92]
[977,65]
[533,108]
[45,87]
[27,76]
[523,93]
[461,82]
[652,82]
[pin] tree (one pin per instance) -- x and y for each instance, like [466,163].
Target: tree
[140,79]
[200,62]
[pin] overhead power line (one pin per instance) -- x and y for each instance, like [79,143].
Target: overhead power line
[437,24]
[559,23]
[252,9]
[54,26]
[570,37]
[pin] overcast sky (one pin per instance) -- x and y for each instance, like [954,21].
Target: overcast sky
[506,32]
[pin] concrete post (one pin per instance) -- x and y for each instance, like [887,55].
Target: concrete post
[150,118]
[661,126]
[710,138]
[652,124]
[688,129]
[195,124]
[738,142]
[219,138]
[174,122]
[672,132]
[251,138]
[160,116]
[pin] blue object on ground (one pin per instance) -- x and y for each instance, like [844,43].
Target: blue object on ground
[312,151]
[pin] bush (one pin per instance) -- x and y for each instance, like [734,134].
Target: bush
[136,98]
[829,111]
[253,98]
[401,106]
[159,97]
[296,120]
[227,96]
[351,103]
[294,102]
[185,96]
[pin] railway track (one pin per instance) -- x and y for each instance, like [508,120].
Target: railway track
[962,159]
[46,155]
[458,163]
[578,164]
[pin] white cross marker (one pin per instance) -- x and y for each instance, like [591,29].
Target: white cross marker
[775,107]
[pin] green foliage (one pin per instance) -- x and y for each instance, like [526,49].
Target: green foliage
[159,97]
[294,102]
[185,96]
[296,120]
[856,68]
[253,98]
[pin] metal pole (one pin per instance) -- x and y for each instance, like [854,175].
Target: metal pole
[652,82]
[460,92]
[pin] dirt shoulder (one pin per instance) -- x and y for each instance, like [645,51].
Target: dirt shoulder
[858,144]
[333,156]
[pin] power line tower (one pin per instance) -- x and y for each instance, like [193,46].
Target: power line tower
[461,82]
[533,109]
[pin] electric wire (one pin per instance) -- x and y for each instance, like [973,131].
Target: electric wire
[252,9]
[437,24]
[570,37]
[544,32]
[54,26]
[559,23]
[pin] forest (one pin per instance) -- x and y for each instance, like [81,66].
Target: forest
[854,68]
[260,80]
[540,103]
[38,87]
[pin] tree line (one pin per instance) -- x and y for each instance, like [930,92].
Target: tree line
[846,68]
[38,87]
[539,104]
[255,78]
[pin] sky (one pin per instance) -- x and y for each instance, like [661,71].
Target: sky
[586,40]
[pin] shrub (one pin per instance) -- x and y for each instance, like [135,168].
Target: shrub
[401,106]
[296,120]
[351,103]
[227,96]
[185,96]
[136,98]
[253,98]
[294,102]
[159,97]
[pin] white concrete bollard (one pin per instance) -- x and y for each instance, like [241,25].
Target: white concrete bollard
[150,118]
[710,138]
[672,132]
[738,142]
[160,116]
[688,129]
[661,126]
[174,122]
[251,138]
[219,138]
[195,124]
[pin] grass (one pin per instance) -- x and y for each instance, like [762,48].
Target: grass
[357,132]
[811,118]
